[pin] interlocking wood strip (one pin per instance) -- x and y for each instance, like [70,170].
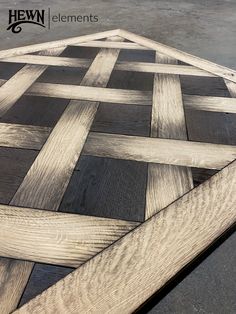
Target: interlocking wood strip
[123,96]
[112,95]
[166,183]
[157,150]
[182,56]
[147,67]
[55,44]
[231,87]
[23,136]
[56,238]
[145,259]
[116,45]
[210,103]
[48,177]
[164,151]
[21,81]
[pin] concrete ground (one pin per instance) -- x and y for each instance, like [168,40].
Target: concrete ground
[204,28]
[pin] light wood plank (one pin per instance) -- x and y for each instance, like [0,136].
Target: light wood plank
[161,68]
[116,45]
[120,65]
[56,238]
[164,151]
[144,260]
[123,96]
[148,43]
[182,56]
[90,93]
[56,44]
[166,183]
[52,61]
[23,136]
[16,86]
[48,177]
[231,88]
[210,103]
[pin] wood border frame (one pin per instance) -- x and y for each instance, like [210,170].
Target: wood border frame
[182,229]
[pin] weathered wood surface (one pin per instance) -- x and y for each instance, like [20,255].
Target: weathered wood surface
[21,81]
[166,183]
[203,64]
[173,152]
[145,259]
[148,43]
[122,96]
[211,106]
[210,103]
[231,87]
[136,148]
[56,238]
[48,177]
[120,65]
[55,44]
[116,45]
[23,136]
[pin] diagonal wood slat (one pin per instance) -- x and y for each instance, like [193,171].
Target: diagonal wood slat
[166,183]
[48,177]
[56,44]
[56,238]
[111,277]
[21,81]
[164,244]
[206,65]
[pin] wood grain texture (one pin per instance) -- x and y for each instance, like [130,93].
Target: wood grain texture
[166,183]
[148,43]
[231,88]
[145,259]
[100,94]
[23,136]
[123,96]
[16,86]
[147,67]
[56,238]
[48,177]
[55,44]
[14,164]
[180,55]
[53,166]
[107,187]
[164,151]
[116,45]
[136,148]
[210,103]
